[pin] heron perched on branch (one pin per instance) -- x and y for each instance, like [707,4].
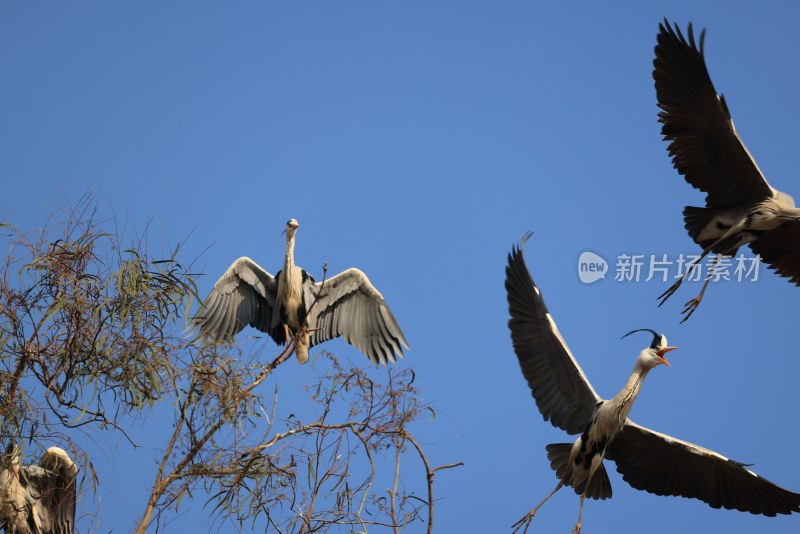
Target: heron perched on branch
[292,304]
[741,207]
[646,459]
[38,499]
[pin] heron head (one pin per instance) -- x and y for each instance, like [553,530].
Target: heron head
[654,354]
[291,227]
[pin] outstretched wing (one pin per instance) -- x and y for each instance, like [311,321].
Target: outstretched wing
[349,305]
[245,295]
[50,489]
[704,145]
[780,248]
[664,465]
[563,393]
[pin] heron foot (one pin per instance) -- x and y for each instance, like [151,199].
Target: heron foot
[299,337]
[690,307]
[576,529]
[524,522]
[662,298]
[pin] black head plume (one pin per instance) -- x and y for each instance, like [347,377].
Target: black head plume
[657,338]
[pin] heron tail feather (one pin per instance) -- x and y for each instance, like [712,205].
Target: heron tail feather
[599,485]
[558,454]
[695,221]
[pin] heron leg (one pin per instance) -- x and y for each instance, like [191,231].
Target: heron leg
[287,335]
[301,336]
[526,521]
[662,298]
[577,528]
[296,343]
[692,305]
[733,230]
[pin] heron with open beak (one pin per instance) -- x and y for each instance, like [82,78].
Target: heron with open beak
[647,460]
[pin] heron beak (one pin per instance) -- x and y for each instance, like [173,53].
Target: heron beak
[662,352]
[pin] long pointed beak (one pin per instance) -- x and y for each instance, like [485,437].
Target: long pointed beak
[662,352]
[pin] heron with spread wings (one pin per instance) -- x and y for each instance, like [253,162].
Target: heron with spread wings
[292,305]
[741,207]
[38,499]
[646,459]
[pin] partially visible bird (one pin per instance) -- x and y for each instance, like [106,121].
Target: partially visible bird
[292,304]
[741,207]
[646,459]
[38,499]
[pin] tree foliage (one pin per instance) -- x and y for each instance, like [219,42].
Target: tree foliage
[85,328]
[91,340]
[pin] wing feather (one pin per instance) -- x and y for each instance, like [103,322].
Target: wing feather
[390,331]
[62,491]
[216,311]
[780,248]
[663,465]
[244,295]
[50,492]
[703,142]
[561,390]
[348,305]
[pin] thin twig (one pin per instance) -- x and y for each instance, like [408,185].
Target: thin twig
[430,474]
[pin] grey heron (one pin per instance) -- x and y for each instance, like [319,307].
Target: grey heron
[741,207]
[293,304]
[646,459]
[38,498]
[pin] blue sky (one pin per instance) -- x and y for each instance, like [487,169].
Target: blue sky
[418,141]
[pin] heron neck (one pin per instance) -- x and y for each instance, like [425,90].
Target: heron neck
[627,395]
[288,262]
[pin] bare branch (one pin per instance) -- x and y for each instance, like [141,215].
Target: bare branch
[90,342]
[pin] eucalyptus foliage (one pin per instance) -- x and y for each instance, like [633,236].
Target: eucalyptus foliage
[92,340]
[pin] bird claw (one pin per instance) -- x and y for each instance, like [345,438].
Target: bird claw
[576,529]
[689,308]
[525,521]
[662,298]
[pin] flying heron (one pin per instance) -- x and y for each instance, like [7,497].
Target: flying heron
[40,498]
[292,304]
[741,207]
[647,460]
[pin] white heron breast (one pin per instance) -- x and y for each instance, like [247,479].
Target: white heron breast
[290,295]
